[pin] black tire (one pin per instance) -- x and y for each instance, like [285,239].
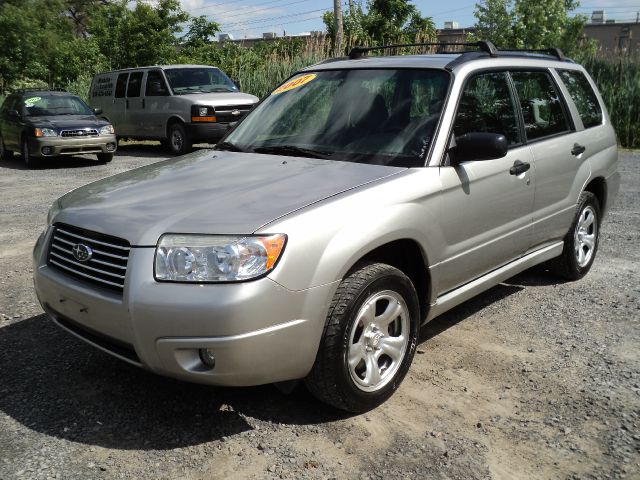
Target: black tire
[4,153]
[568,265]
[104,157]
[179,142]
[331,380]
[29,161]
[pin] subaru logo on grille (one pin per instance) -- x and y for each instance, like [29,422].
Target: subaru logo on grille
[235,112]
[82,253]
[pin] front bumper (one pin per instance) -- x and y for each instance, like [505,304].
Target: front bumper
[213,132]
[56,146]
[259,331]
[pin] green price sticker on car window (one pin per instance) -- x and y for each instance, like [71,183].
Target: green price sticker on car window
[29,102]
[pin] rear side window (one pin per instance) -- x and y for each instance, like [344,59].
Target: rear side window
[542,108]
[121,85]
[487,106]
[135,83]
[583,96]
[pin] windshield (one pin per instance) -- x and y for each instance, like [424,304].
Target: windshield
[372,116]
[41,105]
[198,80]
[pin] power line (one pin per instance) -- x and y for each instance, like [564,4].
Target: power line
[260,10]
[273,24]
[275,18]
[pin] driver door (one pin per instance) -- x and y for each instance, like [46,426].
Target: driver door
[486,209]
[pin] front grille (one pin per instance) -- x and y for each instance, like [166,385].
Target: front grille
[223,113]
[84,132]
[106,267]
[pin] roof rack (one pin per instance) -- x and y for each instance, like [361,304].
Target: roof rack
[45,89]
[556,52]
[484,46]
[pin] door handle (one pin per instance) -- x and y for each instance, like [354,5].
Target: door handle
[577,149]
[126,103]
[143,103]
[519,167]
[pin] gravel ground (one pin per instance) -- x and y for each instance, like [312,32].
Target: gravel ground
[533,379]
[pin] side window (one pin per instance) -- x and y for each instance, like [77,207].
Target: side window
[541,105]
[487,105]
[134,85]
[583,96]
[155,86]
[121,85]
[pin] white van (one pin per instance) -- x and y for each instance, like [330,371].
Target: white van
[176,104]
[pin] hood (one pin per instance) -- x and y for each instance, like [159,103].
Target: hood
[67,121]
[209,192]
[221,99]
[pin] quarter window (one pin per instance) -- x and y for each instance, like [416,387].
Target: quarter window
[487,105]
[542,108]
[583,96]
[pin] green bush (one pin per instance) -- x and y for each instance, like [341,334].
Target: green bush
[618,80]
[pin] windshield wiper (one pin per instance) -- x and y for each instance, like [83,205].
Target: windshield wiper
[292,150]
[229,147]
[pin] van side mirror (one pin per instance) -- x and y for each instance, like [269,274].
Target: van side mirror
[479,146]
[14,113]
[236,83]
[97,111]
[156,89]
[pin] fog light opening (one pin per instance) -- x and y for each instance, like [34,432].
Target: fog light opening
[111,147]
[207,357]
[47,150]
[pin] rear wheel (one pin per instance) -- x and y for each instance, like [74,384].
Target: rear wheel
[28,160]
[369,339]
[179,142]
[105,157]
[581,243]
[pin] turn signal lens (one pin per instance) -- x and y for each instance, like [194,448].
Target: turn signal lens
[203,119]
[273,245]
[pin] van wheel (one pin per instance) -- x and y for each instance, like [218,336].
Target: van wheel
[581,243]
[179,143]
[29,161]
[105,157]
[369,339]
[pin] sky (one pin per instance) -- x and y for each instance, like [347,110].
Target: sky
[250,18]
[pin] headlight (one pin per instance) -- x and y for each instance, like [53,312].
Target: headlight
[216,258]
[107,130]
[53,211]
[202,111]
[45,132]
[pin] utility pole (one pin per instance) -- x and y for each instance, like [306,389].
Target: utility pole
[350,7]
[337,14]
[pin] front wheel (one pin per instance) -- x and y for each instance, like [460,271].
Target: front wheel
[27,158]
[179,142]
[581,243]
[4,153]
[369,339]
[105,157]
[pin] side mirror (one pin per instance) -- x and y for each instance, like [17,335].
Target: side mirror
[14,114]
[156,89]
[236,83]
[480,146]
[97,111]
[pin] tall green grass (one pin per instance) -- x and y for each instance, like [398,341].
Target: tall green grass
[618,80]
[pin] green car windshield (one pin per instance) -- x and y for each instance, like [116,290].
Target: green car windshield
[381,116]
[43,105]
[198,80]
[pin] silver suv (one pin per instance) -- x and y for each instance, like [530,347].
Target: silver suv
[361,199]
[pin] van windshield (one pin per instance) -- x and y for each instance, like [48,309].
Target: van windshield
[383,117]
[198,80]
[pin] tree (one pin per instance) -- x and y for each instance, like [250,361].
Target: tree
[385,21]
[532,24]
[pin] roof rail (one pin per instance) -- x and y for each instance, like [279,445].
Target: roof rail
[484,46]
[45,89]
[556,52]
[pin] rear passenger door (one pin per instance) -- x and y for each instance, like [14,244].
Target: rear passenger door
[486,209]
[551,135]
